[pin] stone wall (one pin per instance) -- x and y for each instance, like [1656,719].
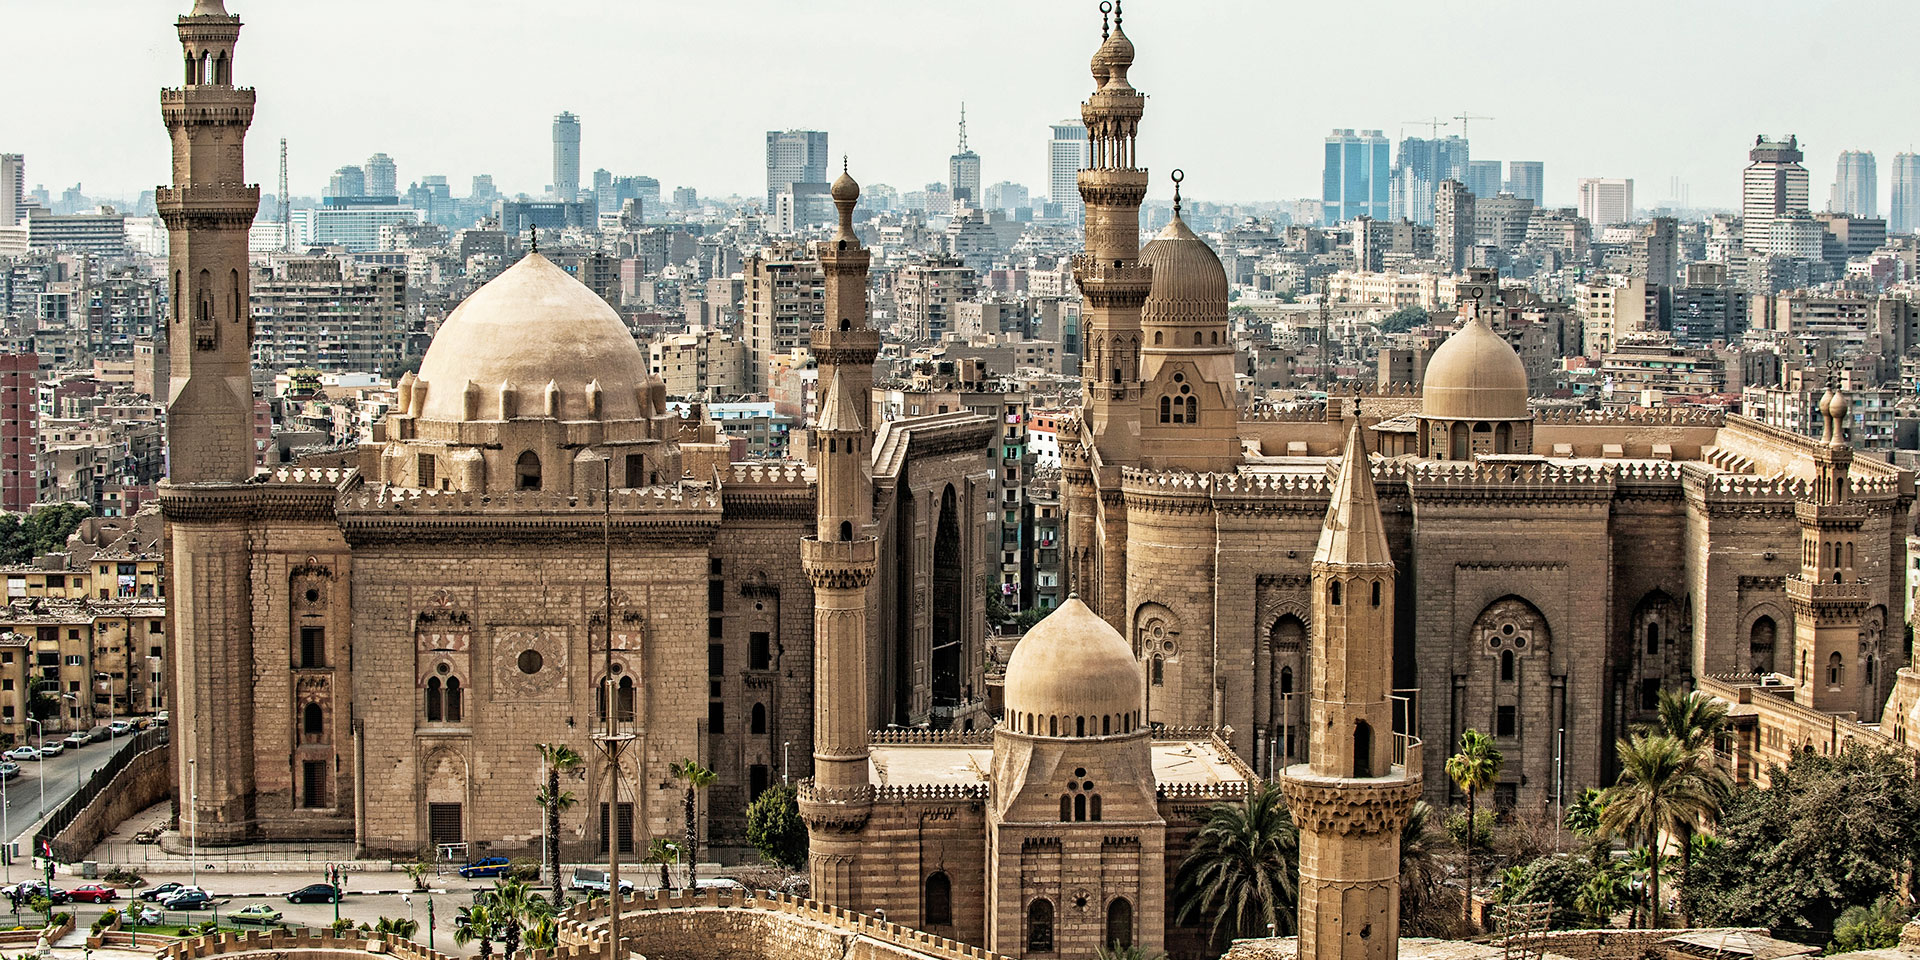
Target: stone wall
[145,781]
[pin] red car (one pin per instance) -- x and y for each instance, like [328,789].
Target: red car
[95,893]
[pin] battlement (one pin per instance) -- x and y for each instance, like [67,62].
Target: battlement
[934,791]
[1517,476]
[1201,791]
[307,476]
[411,500]
[296,945]
[768,473]
[1309,412]
[929,737]
[1662,416]
[584,935]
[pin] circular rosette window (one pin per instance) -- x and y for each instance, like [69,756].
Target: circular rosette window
[530,664]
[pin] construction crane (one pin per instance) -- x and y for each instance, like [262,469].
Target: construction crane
[1435,122]
[1464,117]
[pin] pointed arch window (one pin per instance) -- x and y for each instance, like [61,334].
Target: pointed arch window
[939,899]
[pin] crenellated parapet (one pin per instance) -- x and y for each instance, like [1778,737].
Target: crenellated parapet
[931,737]
[1635,416]
[1306,412]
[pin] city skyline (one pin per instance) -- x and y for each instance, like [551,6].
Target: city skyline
[895,117]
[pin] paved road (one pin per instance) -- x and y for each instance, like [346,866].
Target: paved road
[58,778]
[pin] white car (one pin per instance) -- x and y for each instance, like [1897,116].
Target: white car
[23,753]
[52,749]
[120,728]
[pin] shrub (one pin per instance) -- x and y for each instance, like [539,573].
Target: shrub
[119,876]
[1868,928]
[524,868]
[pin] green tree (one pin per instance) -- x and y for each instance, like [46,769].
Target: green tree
[1558,879]
[663,852]
[1604,894]
[1583,818]
[775,829]
[1243,872]
[1474,769]
[558,758]
[542,934]
[1830,831]
[1868,928]
[418,872]
[1403,319]
[1662,785]
[1426,905]
[476,921]
[1696,720]
[698,778]
[401,928]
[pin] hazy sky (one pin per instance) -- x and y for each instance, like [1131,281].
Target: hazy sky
[1242,92]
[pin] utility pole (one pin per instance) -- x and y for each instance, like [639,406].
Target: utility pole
[612,742]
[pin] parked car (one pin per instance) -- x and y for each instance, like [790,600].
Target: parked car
[34,888]
[587,878]
[53,749]
[24,752]
[120,728]
[9,769]
[77,739]
[95,893]
[100,734]
[314,893]
[260,913]
[161,892]
[485,867]
[188,898]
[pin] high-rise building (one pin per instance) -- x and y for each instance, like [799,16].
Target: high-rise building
[795,156]
[1483,177]
[1528,178]
[13,188]
[1655,255]
[1904,217]
[1606,201]
[18,489]
[347,181]
[1354,180]
[963,171]
[1856,187]
[1007,196]
[382,179]
[483,188]
[785,294]
[1453,224]
[1772,188]
[1067,155]
[1418,169]
[566,157]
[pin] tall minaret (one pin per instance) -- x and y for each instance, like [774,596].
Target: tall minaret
[844,344]
[1827,596]
[1109,273]
[1352,798]
[839,559]
[210,454]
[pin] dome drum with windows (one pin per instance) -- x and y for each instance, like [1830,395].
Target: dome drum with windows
[1073,675]
[1473,397]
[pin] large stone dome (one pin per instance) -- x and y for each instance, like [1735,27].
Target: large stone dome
[1189,284]
[1073,675]
[1475,375]
[532,326]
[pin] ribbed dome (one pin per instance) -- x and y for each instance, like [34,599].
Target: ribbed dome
[1189,285]
[533,325]
[1475,375]
[1072,665]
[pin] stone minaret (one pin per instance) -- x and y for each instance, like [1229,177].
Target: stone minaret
[1114,284]
[844,344]
[1352,798]
[210,452]
[839,559]
[1827,595]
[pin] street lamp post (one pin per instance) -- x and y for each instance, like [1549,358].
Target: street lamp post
[193,826]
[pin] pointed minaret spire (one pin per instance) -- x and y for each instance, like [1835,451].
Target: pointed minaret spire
[1353,534]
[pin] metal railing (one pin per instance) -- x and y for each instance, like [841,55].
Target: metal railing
[63,815]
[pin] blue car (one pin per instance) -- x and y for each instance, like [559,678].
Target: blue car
[485,867]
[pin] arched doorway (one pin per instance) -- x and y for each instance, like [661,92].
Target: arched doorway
[1119,924]
[1761,638]
[948,601]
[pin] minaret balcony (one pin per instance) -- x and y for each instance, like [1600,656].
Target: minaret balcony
[1801,590]
[839,564]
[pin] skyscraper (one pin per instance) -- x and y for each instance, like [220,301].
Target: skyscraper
[1606,201]
[1419,167]
[1483,177]
[963,171]
[566,157]
[382,179]
[1453,224]
[1903,218]
[1528,179]
[1067,153]
[1856,187]
[348,181]
[1354,181]
[1772,188]
[13,187]
[794,156]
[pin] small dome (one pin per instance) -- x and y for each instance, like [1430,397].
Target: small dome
[1117,52]
[1072,665]
[1475,375]
[1189,284]
[845,188]
[208,8]
[533,325]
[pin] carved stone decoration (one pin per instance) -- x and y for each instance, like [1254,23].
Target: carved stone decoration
[530,663]
[1350,807]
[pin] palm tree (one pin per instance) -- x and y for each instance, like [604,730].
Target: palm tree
[542,934]
[1662,785]
[1473,769]
[698,778]
[1243,870]
[662,851]
[558,757]
[515,905]
[1424,852]
[475,922]
[1696,720]
[401,928]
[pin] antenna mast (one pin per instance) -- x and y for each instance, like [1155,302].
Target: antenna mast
[286,205]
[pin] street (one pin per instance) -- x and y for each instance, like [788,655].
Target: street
[59,776]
